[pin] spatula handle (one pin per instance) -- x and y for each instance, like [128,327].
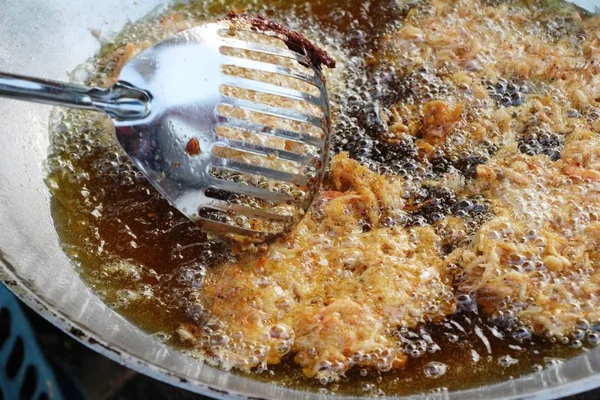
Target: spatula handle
[120,101]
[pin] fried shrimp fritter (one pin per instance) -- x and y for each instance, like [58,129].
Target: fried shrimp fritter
[334,291]
[529,134]
[467,135]
[493,110]
[537,260]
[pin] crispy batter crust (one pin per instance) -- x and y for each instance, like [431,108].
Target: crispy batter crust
[537,260]
[335,290]
[332,292]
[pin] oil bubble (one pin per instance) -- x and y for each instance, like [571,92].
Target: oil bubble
[435,369]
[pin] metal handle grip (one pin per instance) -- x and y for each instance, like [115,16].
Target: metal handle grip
[120,101]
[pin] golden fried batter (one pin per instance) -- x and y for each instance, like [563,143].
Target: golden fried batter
[478,133]
[332,292]
[537,260]
[527,90]
[479,80]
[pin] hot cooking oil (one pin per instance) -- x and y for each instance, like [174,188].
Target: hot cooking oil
[147,261]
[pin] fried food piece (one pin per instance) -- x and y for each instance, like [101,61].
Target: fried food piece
[538,260]
[438,120]
[332,292]
[525,127]
[463,90]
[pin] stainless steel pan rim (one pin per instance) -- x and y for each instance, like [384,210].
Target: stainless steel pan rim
[254,390]
[33,266]
[555,387]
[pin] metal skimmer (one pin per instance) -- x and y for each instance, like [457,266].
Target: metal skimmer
[230,125]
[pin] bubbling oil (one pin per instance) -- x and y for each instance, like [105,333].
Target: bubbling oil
[147,261]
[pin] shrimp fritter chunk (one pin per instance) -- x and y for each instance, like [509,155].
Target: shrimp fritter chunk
[334,292]
[538,260]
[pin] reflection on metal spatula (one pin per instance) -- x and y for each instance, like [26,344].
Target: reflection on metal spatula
[232,129]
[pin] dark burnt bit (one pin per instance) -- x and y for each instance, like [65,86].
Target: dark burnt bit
[215,215]
[294,40]
[193,147]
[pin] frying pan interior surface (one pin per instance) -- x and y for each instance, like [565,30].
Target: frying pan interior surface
[47,39]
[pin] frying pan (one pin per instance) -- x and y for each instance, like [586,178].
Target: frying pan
[48,38]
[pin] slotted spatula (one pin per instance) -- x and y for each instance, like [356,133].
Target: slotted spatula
[217,123]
